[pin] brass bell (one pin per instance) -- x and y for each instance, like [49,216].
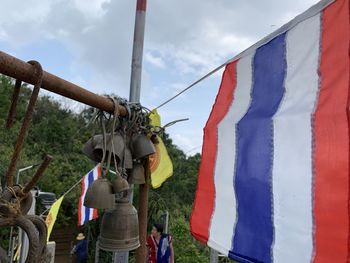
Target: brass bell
[94,147]
[120,228]
[141,146]
[120,184]
[137,175]
[99,195]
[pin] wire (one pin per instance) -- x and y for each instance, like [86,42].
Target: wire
[194,83]
[194,148]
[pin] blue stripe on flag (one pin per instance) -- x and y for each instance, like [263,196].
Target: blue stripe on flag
[254,229]
[87,209]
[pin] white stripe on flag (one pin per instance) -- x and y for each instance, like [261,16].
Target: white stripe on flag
[95,176]
[86,184]
[224,215]
[292,186]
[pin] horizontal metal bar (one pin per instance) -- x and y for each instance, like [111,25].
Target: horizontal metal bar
[18,69]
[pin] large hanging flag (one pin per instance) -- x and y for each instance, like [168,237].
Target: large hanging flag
[273,184]
[85,214]
[160,163]
[51,217]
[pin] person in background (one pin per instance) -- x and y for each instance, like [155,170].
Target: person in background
[160,247]
[80,249]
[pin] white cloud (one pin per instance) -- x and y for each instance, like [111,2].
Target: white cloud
[154,60]
[91,7]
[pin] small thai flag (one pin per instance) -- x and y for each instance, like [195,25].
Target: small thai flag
[85,214]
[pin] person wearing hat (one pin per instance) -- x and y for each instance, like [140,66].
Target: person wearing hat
[81,249]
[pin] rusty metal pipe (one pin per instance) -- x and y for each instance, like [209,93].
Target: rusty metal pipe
[25,125]
[39,173]
[21,70]
[141,252]
[15,95]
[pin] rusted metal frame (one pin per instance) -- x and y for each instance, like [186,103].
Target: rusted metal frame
[12,111]
[29,228]
[19,69]
[39,173]
[25,125]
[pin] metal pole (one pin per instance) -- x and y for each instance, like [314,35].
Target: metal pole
[24,71]
[141,252]
[134,96]
[97,252]
[214,256]
[166,226]
[135,90]
[137,52]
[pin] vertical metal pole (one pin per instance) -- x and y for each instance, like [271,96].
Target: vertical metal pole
[12,249]
[97,253]
[135,88]
[137,52]
[134,96]
[141,252]
[166,226]
[214,256]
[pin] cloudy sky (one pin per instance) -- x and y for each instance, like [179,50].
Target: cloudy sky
[90,43]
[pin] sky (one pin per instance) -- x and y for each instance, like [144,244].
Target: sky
[90,42]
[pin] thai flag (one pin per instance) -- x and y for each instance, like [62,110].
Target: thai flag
[273,184]
[85,214]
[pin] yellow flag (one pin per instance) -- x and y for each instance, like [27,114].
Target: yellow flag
[51,217]
[160,163]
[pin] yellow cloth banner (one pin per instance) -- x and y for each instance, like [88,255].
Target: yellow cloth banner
[51,217]
[160,163]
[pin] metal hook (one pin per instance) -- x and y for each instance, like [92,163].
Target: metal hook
[14,100]
[25,125]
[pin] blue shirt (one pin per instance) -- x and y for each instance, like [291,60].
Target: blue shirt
[81,250]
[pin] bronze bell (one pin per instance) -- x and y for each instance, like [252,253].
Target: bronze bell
[120,228]
[99,195]
[120,184]
[137,175]
[141,146]
[94,147]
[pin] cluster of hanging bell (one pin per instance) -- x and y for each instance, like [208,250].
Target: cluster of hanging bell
[126,146]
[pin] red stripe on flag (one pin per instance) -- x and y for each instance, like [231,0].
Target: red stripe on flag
[331,137]
[81,202]
[205,194]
